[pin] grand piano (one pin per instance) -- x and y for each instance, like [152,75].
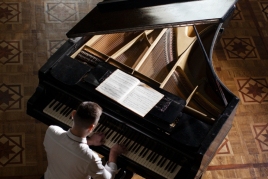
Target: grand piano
[167,45]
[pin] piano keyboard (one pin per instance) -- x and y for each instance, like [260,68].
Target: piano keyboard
[139,146]
[139,150]
[59,111]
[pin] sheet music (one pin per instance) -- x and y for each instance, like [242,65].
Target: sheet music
[130,92]
[118,85]
[142,99]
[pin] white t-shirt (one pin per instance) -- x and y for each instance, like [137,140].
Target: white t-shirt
[69,157]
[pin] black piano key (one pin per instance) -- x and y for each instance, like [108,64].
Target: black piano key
[150,156]
[145,152]
[102,127]
[125,137]
[118,134]
[137,147]
[124,133]
[158,153]
[68,112]
[113,130]
[153,158]
[62,111]
[148,153]
[173,168]
[97,127]
[151,147]
[109,133]
[163,162]
[121,132]
[162,159]
[127,142]
[52,104]
[145,147]
[132,147]
[109,129]
[115,137]
[55,107]
[156,148]
[168,165]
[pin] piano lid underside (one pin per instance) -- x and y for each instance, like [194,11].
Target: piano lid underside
[101,21]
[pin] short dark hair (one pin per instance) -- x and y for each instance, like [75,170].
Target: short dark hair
[88,113]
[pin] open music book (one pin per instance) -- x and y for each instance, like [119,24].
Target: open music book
[130,92]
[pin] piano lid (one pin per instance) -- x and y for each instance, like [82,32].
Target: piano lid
[103,21]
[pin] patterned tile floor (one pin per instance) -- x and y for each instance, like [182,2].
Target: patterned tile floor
[30,31]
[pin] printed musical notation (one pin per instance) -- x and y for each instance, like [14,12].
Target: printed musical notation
[130,92]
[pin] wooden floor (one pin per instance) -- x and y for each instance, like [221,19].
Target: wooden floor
[30,31]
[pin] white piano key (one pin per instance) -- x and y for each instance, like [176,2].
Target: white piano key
[162,170]
[58,115]
[147,162]
[143,159]
[136,155]
[154,166]
[174,173]
[47,107]
[110,143]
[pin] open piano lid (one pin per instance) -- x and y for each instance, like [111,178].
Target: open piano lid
[103,21]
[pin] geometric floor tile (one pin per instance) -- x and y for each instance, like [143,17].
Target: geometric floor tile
[10,97]
[252,90]
[10,52]
[10,12]
[54,45]
[237,15]
[12,149]
[260,132]
[239,48]
[264,9]
[59,12]
[225,148]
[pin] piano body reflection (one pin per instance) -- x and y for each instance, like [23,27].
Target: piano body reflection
[169,47]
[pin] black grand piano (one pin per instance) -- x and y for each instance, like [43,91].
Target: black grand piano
[167,45]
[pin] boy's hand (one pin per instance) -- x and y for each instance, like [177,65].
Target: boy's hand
[96,139]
